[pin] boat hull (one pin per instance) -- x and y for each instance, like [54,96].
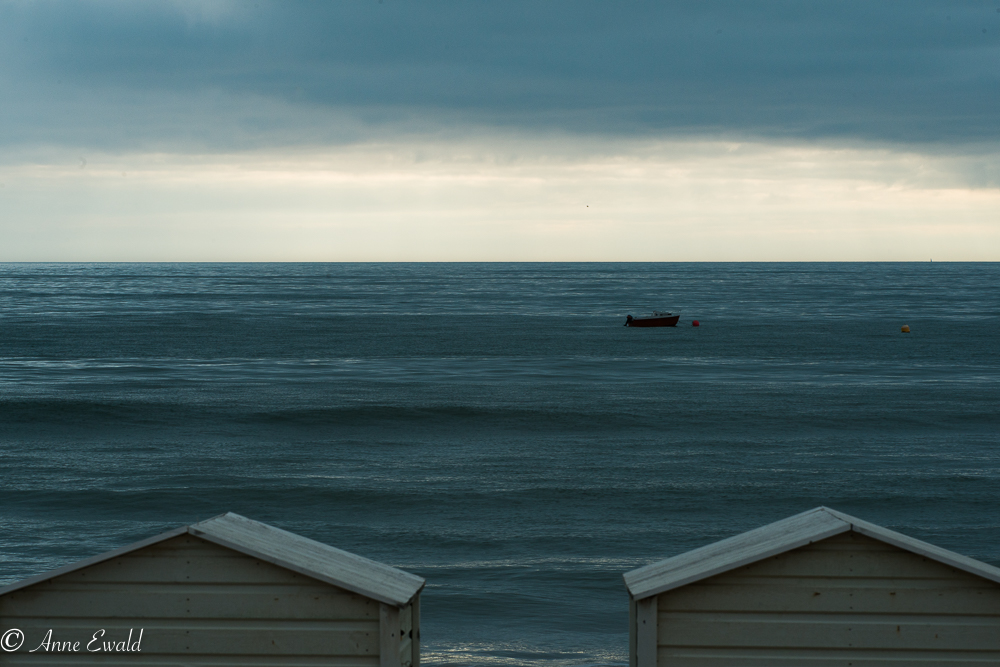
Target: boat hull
[668,321]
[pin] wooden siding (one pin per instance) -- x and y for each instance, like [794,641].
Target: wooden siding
[736,551]
[646,625]
[315,559]
[407,641]
[847,601]
[197,604]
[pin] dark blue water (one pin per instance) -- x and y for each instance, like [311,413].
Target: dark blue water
[494,427]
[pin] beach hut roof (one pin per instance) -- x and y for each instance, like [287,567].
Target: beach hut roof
[273,545]
[776,538]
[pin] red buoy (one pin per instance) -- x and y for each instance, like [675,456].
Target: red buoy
[694,323]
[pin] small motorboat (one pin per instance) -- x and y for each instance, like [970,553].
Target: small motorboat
[657,319]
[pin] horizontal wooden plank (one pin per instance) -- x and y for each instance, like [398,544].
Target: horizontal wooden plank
[238,535]
[87,562]
[712,657]
[218,637]
[889,598]
[882,564]
[850,541]
[233,568]
[821,526]
[138,601]
[952,633]
[176,553]
[189,660]
[916,546]
[184,545]
[355,573]
[947,581]
[733,552]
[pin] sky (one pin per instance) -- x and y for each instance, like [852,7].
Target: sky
[469,130]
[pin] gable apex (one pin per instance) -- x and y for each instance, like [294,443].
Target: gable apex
[311,558]
[776,538]
[276,546]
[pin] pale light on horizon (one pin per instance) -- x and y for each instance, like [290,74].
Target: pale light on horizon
[504,199]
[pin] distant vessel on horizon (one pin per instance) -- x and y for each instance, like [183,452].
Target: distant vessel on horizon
[657,319]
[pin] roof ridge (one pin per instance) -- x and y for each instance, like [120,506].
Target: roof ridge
[778,537]
[312,558]
[280,547]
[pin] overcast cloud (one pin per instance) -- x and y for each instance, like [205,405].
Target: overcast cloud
[499,130]
[233,75]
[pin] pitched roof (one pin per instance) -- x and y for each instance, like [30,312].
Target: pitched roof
[776,538]
[293,552]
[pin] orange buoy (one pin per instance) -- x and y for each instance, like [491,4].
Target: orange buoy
[695,323]
[905,328]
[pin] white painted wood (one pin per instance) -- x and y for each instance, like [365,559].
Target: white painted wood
[809,658]
[234,637]
[902,564]
[405,620]
[294,552]
[150,566]
[415,632]
[733,552]
[632,632]
[916,546]
[846,600]
[406,635]
[140,601]
[87,562]
[646,632]
[406,652]
[882,632]
[71,660]
[820,581]
[726,554]
[272,545]
[885,596]
[776,538]
[204,603]
[389,638]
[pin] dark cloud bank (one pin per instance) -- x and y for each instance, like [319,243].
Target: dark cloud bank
[130,75]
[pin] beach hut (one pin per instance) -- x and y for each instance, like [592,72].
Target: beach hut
[821,589]
[226,591]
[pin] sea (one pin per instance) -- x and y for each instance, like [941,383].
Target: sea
[494,427]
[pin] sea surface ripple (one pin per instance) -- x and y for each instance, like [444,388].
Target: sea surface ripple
[493,427]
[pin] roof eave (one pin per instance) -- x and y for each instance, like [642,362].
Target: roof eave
[398,601]
[406,585]
[921,548]
[818,524]
[397,587]
[93,560]
[640,593]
